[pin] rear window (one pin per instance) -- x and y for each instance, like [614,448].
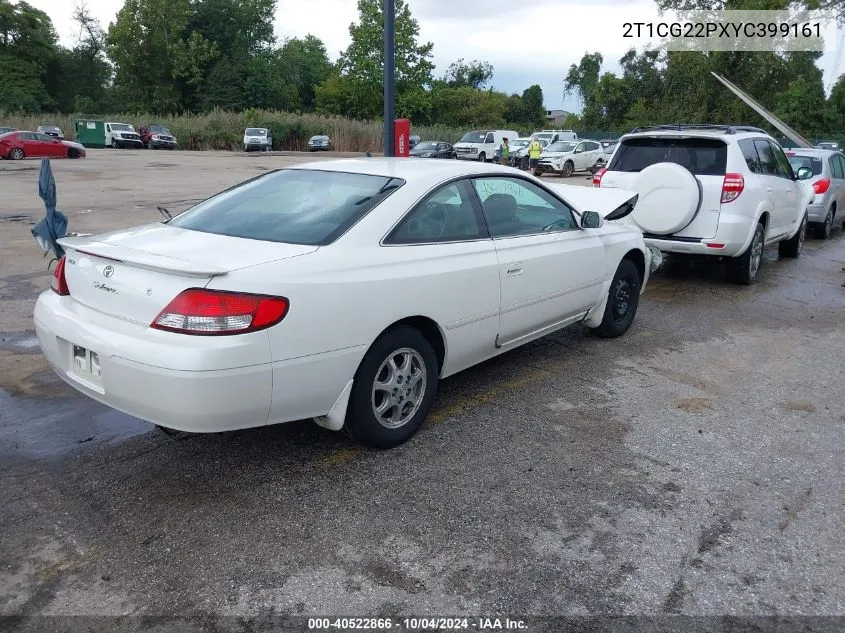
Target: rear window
[295,206]
[813,162]
[702,156]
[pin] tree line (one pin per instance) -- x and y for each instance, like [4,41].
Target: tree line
[166,57]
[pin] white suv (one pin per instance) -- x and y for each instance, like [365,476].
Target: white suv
[716,190]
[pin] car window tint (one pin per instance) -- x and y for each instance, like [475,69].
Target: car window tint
[517,207]
[447,215]
[44,137]
[296,206]
[813,163]
[768,165]
[784,169]
[837,167]
[749,153]
[702,156]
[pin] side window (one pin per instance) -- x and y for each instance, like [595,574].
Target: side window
[447,215]
[44,137]
[579,148]
[749,152]
[489,138]
[837,167]
[767,158]
[784,169]
[593,146]
[517,207]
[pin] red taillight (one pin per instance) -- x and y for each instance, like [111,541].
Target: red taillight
[58,283]
[821,186]
[732,186]
[790,153]
[217,312]
[597,177]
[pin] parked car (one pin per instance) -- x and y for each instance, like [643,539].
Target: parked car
[413,140]
[566,157]
[257,138]
[713,190]
[20,145]
[321,142]
[51,130]
[5,130]
[481,145]
[346,304]
[154,136]
[519,151]
[120,135]
[433,149]
[825,173]
[831,145]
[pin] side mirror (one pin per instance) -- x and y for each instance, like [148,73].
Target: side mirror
[805,173]
[591,220]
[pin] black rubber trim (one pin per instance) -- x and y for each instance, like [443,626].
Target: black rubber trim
[673,238]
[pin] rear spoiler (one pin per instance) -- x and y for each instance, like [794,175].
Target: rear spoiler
[141,259]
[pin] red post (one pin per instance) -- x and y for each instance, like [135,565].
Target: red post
[401,137]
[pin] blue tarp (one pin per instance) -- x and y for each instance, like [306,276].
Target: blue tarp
[54,225]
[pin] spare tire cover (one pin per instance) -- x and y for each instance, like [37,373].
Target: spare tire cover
[669,198]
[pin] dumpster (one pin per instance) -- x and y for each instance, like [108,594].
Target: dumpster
[90,133]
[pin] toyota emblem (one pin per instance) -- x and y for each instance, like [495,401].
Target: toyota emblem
[108,271]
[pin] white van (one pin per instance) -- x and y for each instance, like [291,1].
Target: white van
[481,145]
[122,135]
[553,136]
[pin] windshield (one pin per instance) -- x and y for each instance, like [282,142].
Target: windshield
[702,156]
[295,206]
[561,146]
[516,143]
[255,131]
[811,162]
[49,128]
[426,145]
[159,129]
[474,137]
[122,127]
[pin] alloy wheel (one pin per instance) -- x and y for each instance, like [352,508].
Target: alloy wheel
[399,387]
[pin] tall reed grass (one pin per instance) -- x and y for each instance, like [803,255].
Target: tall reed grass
[221,130]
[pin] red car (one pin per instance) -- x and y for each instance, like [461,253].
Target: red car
[19,145]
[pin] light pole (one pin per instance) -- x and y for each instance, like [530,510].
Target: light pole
[389,72]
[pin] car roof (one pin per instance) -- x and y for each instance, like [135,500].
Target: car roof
[408,169]
[814,151]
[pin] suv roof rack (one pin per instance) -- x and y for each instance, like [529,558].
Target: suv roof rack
[729,129]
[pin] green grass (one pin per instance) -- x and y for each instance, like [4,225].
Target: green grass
[220,130]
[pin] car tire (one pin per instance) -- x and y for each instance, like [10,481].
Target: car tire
[745,269]
[72,153]
[16,154]
[568,169]
[623,298]
[795,244]
[369,389]
[150,144]
[114,144]
[823,230]
[538,173]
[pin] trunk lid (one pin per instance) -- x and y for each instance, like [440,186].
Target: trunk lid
[133,274]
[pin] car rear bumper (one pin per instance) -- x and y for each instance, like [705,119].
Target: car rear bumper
[818,212]
[732,238]
[179,382]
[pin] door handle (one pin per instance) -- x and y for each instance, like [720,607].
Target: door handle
[515,270]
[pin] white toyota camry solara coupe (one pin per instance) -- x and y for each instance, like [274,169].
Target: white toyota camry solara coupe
[339,291]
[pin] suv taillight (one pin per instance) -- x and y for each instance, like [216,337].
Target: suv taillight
[597,177]
[218,312]
[732,186]
[58,283]
[821,186]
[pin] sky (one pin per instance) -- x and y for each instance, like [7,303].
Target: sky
[526,42]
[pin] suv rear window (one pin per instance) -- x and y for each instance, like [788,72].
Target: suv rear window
[702,156]
[294,206]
